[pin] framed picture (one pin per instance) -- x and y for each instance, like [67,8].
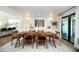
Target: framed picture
[39,23]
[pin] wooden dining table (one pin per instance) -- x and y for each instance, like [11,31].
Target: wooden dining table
[22,34]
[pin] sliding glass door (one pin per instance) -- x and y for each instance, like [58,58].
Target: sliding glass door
[65,28]
[68,28]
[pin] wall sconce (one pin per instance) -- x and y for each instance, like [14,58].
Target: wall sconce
[54,23]
[31,26]
[49,27]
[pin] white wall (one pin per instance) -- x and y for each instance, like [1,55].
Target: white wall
[76,45]
[26,22]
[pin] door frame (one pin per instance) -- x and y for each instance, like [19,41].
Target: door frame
[69,27]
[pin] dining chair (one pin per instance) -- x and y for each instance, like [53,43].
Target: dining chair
[41,39]
[28,38]
[51,38]
[14,36]
[58,36]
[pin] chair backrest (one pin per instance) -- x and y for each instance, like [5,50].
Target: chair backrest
[28,35]
[15,31]
[41,35]
[15,34]
[33,31]
[55,36]
[57,32]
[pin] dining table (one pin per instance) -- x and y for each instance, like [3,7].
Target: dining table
[22,34]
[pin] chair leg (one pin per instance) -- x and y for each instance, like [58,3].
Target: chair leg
[37,44]
[23,43]
[19,42]
[12,41]
[49,39]
[46,44]
[32,43]
[54,43]
[16,43]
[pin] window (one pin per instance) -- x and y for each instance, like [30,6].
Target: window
[39,23]
[8,20]
[0,24]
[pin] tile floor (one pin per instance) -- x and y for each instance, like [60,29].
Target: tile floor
[63,47]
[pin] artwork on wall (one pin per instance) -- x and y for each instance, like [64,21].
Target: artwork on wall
[31,26]
[39,23]
[49,27]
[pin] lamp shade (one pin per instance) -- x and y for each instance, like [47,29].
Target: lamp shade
[54,23]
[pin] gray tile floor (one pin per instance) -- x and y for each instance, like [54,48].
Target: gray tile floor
[4,40]
[63,47]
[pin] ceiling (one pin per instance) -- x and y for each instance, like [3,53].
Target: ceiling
[42,11]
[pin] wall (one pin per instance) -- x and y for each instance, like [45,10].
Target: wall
[26,22]
[77,29]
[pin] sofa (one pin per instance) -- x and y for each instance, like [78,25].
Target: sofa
[6,31]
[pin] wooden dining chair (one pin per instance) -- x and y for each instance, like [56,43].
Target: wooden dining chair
[41,39]
[58,36]
[14,36]
[51,38]
[28,38]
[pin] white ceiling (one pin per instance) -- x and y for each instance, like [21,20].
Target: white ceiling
[43,11]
